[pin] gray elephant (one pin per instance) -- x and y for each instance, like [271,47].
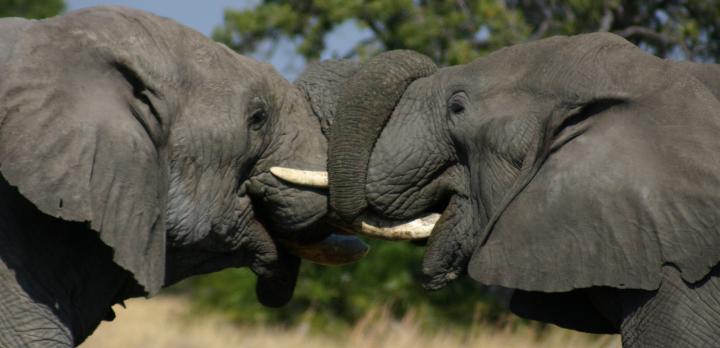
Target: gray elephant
[135,152]
[579,171]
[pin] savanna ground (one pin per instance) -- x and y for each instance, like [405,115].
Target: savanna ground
[169,321]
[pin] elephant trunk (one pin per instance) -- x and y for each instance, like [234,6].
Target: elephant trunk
[365,103]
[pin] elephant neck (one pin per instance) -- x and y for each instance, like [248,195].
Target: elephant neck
[55,270]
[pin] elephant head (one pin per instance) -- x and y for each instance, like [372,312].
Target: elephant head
[160,141]
[561,164]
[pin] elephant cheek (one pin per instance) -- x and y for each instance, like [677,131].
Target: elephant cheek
[285,208]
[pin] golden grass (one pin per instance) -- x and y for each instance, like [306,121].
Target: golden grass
[166,321]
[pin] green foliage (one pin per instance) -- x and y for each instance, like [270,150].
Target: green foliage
[457,31]
[31,8]
[331,298]
[687,29]
[443,29]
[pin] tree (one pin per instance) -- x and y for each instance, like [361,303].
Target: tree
[457,31]
[450,31]
[31,8]
[688,29]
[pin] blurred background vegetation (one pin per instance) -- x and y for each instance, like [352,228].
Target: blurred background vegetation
[334,298]
[452,32]
[31,8]
[458,31]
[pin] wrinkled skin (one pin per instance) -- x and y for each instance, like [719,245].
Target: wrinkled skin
[125,126]
[579,171]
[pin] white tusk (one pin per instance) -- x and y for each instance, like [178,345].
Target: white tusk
[301,177]
[383,229]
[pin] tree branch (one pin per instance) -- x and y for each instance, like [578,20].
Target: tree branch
[607,20]
[541,30]
[545,24]
[376,30]
[353,53]
[466,10]
[659,38]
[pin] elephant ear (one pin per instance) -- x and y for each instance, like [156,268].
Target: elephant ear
[81,137]
[624,177]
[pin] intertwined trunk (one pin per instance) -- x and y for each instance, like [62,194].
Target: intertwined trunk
[366,102]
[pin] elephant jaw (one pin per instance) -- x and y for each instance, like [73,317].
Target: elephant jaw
[367,224]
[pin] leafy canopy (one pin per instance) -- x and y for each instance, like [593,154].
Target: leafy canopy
[31,8]
[457,31]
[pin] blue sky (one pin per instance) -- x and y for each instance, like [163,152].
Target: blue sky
[201,15]
[204,15]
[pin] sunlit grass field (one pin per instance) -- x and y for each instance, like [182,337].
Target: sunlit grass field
[168,321]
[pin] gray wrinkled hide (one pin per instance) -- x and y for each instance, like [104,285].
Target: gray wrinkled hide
[10,29]
[637,188]
[103,169]
[118,124]
[320,82]
[580,171]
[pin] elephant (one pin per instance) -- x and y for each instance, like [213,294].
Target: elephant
[581,172]
[135,152]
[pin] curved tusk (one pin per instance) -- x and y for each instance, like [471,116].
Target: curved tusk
[301,177]
[382,229]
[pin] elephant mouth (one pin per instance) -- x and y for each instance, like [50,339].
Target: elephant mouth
[367,224]
[416,215]
[310,236]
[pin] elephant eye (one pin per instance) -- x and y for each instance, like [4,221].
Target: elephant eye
[456,104]
[258,119]
[457,108]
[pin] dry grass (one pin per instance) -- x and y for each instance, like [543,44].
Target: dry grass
[166,322]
